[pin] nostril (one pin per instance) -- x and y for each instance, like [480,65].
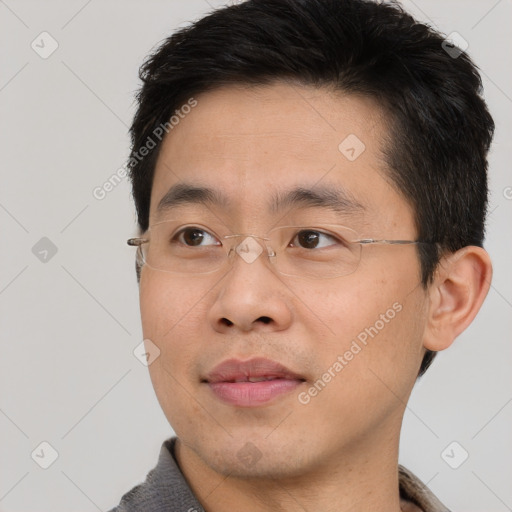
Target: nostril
[227,322]
[265,319]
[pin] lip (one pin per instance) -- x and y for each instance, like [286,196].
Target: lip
[230,381]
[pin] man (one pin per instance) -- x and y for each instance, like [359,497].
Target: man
[310,183]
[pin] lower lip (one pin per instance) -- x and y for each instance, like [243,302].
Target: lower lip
[252,394]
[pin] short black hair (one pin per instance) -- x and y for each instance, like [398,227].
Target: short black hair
[440,129]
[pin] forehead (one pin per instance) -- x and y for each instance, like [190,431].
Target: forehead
[255,143]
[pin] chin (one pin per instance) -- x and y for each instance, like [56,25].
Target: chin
[254,456]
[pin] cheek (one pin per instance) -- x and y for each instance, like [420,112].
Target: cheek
[170,311]
[347,308]
[376,322]
[167,303]
[374,361]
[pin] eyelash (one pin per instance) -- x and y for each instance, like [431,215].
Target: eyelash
[179,233]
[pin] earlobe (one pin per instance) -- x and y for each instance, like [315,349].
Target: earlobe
[460,285]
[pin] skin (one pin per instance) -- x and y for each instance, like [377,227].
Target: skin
[339,451]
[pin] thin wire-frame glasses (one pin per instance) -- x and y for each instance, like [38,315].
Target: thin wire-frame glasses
[296,251]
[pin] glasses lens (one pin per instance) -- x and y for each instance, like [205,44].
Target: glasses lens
[319,252]
[183,248]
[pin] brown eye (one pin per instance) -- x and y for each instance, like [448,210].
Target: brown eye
[311,239]
[194,236]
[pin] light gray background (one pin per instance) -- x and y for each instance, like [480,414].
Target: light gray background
[67,372]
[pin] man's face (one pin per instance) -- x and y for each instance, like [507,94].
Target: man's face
[250,144]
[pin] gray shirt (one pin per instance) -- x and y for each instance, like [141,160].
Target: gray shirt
[166,490]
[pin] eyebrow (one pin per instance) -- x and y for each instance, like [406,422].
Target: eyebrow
[328,197]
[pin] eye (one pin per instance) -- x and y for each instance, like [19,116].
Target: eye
[312,239]
[194,236]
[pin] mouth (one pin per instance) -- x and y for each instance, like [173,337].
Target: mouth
[251,383]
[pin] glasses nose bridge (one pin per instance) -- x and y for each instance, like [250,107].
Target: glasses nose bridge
[249,246]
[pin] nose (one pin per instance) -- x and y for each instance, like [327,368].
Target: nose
[251,296]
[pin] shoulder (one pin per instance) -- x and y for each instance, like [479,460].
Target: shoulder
[165,488]
[415,495]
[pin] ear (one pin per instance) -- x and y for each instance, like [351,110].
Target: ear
[461,282]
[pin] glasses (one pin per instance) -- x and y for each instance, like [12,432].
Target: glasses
[320,252]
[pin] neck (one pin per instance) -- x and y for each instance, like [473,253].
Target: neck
[363,477]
